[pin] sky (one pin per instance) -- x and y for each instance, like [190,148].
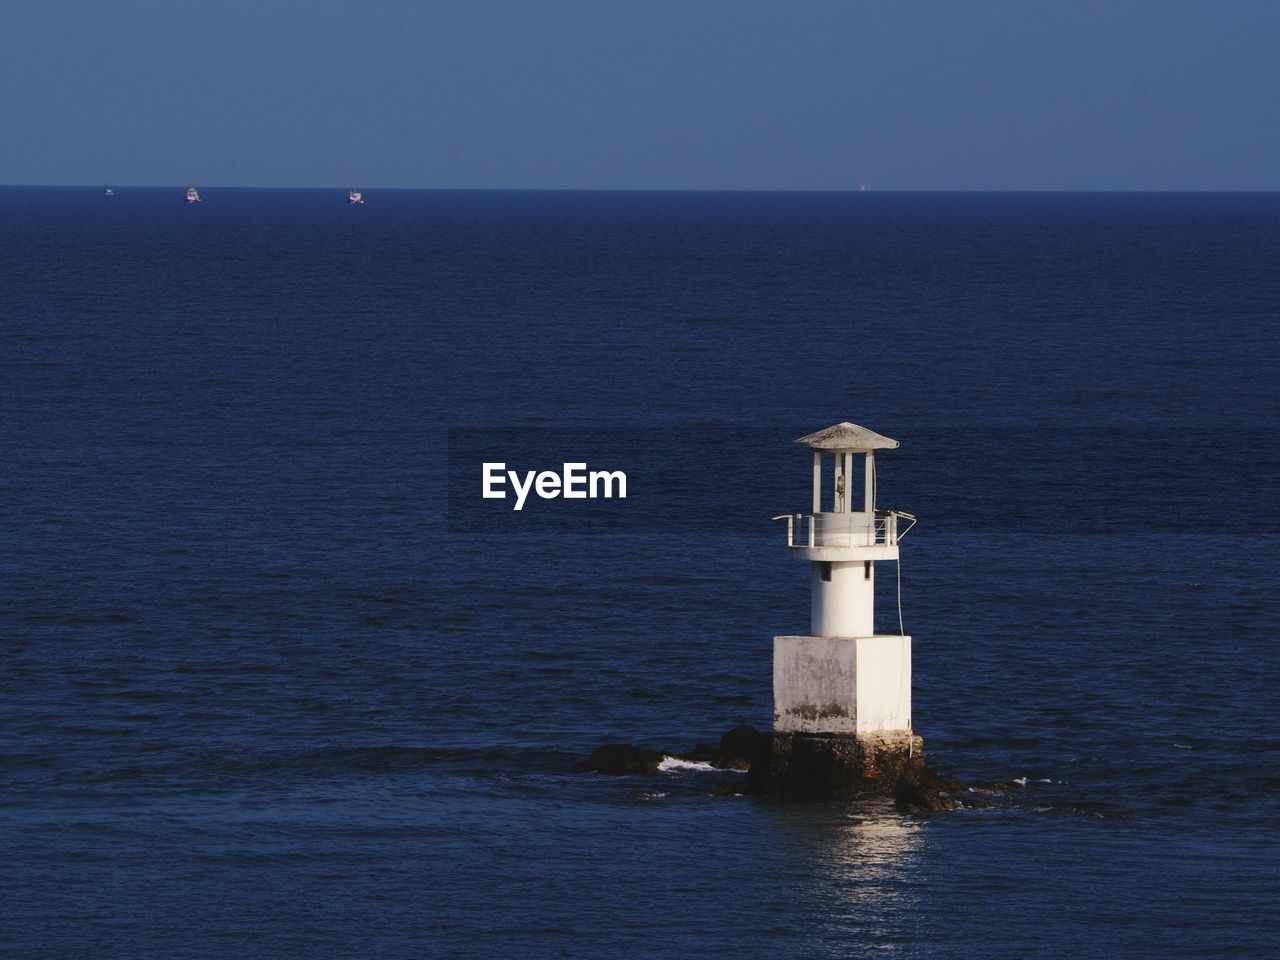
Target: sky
[659,94]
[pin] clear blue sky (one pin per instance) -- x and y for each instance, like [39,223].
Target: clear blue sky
[667,94]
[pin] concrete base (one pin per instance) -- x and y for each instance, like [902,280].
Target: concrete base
[842,685]
[834,767]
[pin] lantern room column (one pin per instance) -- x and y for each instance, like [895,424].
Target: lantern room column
[869,495]
[817,481]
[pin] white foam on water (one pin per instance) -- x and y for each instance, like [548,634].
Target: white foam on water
[1023,781]
[667,764]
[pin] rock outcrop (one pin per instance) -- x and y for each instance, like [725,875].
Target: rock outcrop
[832,767]
[920,790]
[740,747]
[808,767]
[622,758]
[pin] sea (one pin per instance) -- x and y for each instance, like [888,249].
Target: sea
[276,680]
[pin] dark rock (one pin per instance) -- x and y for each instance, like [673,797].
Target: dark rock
[920,790]
[811,767]
[622,758]
[807,766]
[703,753]
[742,746]
[974,799]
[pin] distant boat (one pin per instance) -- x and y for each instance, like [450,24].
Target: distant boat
[355,196]
[109,192]
[193,195]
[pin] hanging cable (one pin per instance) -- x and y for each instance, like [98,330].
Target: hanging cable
[898,563]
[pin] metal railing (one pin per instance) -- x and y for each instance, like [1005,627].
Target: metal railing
[846,530]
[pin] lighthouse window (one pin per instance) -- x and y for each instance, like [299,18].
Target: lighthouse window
[866,569]
[825,569]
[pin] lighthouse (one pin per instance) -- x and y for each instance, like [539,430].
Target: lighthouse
[842,692]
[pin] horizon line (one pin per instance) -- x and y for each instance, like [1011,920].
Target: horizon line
[727,190]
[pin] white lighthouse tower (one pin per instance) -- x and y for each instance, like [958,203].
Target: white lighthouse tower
[844,679]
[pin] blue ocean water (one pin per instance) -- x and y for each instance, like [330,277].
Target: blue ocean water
[265,691]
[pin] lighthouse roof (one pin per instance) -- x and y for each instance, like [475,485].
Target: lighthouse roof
[847,436]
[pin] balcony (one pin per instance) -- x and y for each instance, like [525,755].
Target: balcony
[831,536]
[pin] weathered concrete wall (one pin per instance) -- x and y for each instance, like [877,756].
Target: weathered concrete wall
[815,685]
[841,685]
[884,683]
